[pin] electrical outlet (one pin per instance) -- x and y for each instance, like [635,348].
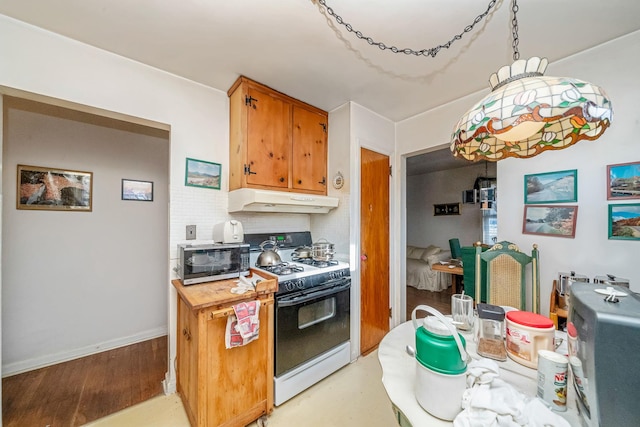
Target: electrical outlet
[191,232]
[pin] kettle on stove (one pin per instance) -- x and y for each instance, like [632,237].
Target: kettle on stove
[441,367]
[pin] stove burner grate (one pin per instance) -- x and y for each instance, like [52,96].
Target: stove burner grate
[314,263]
[283,268]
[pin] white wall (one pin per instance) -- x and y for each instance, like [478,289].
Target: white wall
[43,65]
[612,66]
[80,282]
[425,190]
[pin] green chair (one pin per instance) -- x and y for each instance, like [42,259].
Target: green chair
[505,275]
[469,272]
[456,250]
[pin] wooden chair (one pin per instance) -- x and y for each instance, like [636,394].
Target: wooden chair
[556,306]
[505,275]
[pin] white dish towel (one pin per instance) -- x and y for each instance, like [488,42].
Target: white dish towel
[489,401]
[243,326]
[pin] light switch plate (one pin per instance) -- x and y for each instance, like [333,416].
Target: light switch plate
[191,232]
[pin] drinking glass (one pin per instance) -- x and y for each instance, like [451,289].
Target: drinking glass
[462,311]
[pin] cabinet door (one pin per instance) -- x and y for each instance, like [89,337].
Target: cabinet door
[187,366]
[240,379]
[268,140]
[309,158]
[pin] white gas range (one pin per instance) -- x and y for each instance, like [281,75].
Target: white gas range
[312,314]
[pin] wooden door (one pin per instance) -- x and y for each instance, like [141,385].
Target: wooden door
[268,140]
[374,247]
[309,158]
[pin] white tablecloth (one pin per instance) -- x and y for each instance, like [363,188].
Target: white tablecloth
[398,374]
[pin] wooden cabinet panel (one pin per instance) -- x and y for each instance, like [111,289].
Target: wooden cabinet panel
[238,380]
[276,142]
[309,150]
[268,140]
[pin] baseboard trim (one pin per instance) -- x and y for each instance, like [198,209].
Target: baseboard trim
[52,359]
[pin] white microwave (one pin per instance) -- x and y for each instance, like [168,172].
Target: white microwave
[209,262]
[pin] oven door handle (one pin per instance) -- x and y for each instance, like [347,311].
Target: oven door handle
[301,299]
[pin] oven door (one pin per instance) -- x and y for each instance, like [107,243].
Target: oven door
[309,323]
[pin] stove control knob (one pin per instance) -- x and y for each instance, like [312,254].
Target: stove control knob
[289,286]
[300,284]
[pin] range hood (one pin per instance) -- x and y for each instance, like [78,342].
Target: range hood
[253,200]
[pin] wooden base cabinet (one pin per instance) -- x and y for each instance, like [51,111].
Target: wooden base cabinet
[219,386]
[276,142]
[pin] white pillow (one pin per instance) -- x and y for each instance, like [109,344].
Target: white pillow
[430,250]
[414,252]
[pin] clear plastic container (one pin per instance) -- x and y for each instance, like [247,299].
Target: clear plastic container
[489,332]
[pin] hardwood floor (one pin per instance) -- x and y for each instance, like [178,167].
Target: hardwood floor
[441,301]
[82,390]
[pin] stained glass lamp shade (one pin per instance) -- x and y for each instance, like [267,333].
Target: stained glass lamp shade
[527,113]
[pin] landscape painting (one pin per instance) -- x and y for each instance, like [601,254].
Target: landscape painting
[624,221]
[47,188]
[551,187]
[556,221]
[202,174]
[137,190]
[623,181]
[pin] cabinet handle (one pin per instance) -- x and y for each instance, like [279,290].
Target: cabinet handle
[299,181]
[324,181]
[281,179]
[247,170]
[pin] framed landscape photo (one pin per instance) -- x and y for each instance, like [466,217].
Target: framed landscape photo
[550,220]
[199,173]
[551,187]
[624,221]
[137,190]
[44,188]
[623,181]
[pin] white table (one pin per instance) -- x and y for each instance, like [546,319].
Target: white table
[399,370]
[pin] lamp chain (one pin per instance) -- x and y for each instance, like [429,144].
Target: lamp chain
[432,52]
[514,24]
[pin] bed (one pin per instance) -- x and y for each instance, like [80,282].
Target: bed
[419,272]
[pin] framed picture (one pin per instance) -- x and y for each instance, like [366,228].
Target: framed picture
[623,181]
[446,209]
[549,220]
[53,189]
[551,187]
[199,173]
[137,190]
[624,221]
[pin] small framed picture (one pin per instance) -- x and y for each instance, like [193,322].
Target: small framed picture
[623,181]
[624,221]
[551,187]
[133,189]
[550,220]
[446,209]
[199,173]
[54,189]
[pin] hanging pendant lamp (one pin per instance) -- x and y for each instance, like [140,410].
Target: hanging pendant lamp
[527,113]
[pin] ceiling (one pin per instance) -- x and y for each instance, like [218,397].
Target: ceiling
[295,47]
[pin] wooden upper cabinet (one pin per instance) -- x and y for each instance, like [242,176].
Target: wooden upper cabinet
[309,170]
[276,142]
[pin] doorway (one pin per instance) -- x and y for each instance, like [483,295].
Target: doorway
[89,278]
[437,177]
[374,246]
